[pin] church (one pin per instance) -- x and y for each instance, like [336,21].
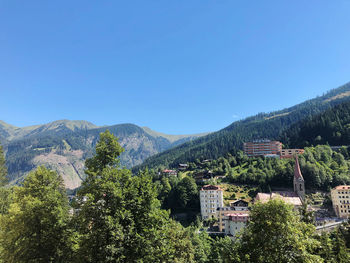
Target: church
[295,198]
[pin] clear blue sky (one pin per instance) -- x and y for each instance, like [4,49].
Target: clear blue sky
[176,66]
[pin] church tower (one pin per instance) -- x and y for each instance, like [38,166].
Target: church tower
[299,183]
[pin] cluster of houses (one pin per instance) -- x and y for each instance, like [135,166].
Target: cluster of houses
[232,218]
[181,167]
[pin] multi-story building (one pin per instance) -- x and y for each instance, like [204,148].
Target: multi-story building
[235,222]
[222,212]
[262,148]
[341,200]
[290,153]
[211,197]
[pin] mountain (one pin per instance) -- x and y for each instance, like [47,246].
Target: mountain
[330,127]
[64,145]
[263,125]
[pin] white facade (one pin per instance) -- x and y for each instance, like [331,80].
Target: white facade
[235,223]
[222,212]
[211,197]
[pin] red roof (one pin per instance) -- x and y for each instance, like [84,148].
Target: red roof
[211,187]
[297,172]
[342,187]
[238,216]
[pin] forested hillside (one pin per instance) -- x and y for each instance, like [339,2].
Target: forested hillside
[264,125]
[331,127]
[64,145]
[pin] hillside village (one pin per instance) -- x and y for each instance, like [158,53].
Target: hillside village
[229,219]
[175,131]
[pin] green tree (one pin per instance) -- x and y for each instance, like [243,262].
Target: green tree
[341,254]
[4,191]
[119,217]
[187,193]
[306,215]
[107,152]
[35,227]
[275,234]
[3,168]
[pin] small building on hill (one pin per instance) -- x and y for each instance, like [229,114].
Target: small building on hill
[290,153]
[202,176]
[183,166]
[169,172]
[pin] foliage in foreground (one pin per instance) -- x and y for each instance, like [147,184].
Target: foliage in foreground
[118,219]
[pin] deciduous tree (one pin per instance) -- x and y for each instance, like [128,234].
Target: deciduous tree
[35,227]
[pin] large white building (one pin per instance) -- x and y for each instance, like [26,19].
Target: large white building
[211,198]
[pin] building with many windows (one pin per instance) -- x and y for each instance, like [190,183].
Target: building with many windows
[262,148]
[211,197]
[222,212]
[341,200]
[290,153]
[235,222]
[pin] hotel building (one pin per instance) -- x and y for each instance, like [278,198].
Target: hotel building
[341,200]
[211,197]
[262,148]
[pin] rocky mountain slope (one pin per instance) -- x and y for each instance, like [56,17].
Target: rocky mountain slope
[64,145]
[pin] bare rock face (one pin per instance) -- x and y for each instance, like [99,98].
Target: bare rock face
[64,146]
[69,164]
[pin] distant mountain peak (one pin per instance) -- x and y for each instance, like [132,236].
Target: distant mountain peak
[171,138]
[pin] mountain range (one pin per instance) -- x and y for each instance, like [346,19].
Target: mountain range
[64,145]
[273,125]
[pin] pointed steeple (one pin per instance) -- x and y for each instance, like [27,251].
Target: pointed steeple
[298,181]
[297,171]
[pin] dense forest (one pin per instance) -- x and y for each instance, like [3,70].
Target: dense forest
[264,125]
[117,217]
[330,127]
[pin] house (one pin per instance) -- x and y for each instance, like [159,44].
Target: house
[169,172]
[222,212]
[239,205]
[235,222]
[203,176]
[290,153]
[211,197]
[341,200]
[183,166]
